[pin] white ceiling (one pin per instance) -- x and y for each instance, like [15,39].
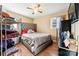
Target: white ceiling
[48,8]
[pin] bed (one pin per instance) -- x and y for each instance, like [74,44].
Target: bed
[36,42]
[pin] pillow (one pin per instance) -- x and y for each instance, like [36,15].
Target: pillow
[30,31]
[66,42]
[24,31]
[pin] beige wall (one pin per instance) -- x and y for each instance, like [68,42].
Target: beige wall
[43,23]
[23,18]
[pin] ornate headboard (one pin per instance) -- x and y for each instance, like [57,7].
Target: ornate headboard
[29,26]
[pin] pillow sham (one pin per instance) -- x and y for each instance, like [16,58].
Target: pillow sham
[24,31]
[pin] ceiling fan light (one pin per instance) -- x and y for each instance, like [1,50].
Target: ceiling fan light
[36,8]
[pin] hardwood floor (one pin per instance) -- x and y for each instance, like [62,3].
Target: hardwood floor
[52,50]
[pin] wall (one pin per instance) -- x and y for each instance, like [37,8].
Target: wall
[43,23]
[23,18]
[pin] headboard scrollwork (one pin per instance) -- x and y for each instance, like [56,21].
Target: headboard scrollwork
[28,26]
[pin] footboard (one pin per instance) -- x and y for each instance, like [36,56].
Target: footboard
[38,49]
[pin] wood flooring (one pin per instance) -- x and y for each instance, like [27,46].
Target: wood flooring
[51,50]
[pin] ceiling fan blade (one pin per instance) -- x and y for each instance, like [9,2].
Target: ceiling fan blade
[33,12]
[40,11]
[38,5]
[29,8]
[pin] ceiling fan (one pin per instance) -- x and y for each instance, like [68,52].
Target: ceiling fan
[36,8]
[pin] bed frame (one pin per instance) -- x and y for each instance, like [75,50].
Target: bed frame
[39,49]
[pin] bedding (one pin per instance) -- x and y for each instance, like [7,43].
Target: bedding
[9,33]
[23,31]
[36,40]
[9,43]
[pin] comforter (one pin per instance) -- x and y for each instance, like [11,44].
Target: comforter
[35,39]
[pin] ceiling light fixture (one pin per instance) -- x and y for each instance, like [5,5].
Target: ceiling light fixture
[36,8]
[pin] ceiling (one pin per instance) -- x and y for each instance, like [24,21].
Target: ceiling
[48,8]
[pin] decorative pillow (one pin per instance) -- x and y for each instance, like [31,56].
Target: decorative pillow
[66,42]
[24,31]
[30,31]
